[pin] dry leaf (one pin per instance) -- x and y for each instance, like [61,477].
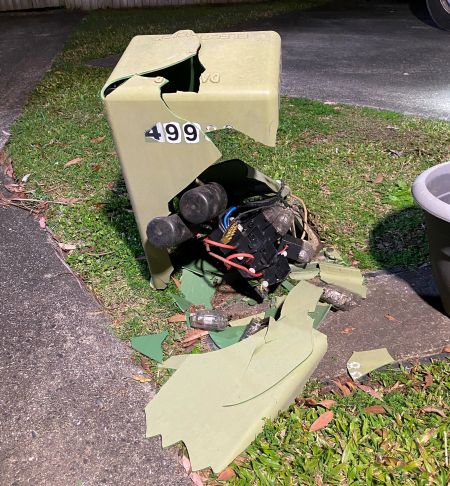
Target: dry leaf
[370,391]
[322,421]
[446,349]
[389,317]
[428,380]
[375,409]
[141,378]
[193,335]
[177,318]
[67,246]
[14,188]
[96,167]
[42,222]
[344,390]
[433,410]
[9,172]
[176,282]
[425,438]
[310,402]
[73,161]
[379,179]
[347,330]
[327,403]
[196,479]
[226,474]
[98,139]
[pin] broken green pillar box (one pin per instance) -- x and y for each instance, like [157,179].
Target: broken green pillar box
[163,97]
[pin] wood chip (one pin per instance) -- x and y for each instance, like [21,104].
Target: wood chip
[177,318]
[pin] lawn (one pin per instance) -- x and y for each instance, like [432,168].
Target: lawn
[352,166]
[402,439]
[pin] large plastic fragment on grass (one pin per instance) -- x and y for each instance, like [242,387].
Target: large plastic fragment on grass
[150,345]
[262,375]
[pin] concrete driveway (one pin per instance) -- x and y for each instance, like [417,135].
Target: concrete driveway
[70,412]
[370,53]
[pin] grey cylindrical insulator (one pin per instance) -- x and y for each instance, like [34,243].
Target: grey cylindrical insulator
[280,217]
[167,231]
[209,320]
[203,203]
[339,299]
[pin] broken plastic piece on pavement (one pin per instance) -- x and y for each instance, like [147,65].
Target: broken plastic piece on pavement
[346,277]
[319,313]
[227,337]
[363,362]
[150,345]
[197,289]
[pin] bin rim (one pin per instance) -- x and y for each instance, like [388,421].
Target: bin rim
[425,199]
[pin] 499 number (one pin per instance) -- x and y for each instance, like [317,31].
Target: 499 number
[173,132]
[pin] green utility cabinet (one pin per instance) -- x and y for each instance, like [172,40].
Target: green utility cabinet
[164,96]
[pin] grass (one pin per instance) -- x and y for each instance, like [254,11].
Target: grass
[352,166]
[405,445]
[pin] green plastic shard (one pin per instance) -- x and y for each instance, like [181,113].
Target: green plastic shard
[203,267]
[319,313]
[307,273]
[150,345]
[364,362]
[227,337]
[301,299]
[174,362]
[190,406]
[244,321]
[181,302]
[197,289]
[346,277]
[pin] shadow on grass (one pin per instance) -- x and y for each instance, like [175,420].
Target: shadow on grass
[399,245]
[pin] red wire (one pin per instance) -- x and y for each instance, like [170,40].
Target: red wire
[229,263]
[243,255]
[217,243]
[284,249]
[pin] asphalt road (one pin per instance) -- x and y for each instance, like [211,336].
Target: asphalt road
[373,53]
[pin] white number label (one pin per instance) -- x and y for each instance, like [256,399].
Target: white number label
[155,134]
[191,132]
[173,132]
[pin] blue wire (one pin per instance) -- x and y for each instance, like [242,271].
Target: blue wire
[227,216]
